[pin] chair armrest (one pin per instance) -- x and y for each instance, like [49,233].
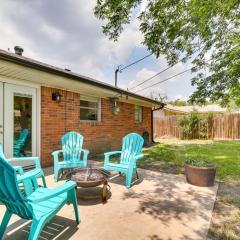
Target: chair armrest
[108,154]
[139,156]
[112,153]
[29,175]
[35,159]
[55,153]
[86,151]
[18,169]
[70,185]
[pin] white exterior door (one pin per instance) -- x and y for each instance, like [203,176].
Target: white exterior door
[20,120]
[1,112]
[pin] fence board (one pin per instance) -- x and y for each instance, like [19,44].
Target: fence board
[225,126]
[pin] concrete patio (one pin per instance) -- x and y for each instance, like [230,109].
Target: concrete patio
[159,207]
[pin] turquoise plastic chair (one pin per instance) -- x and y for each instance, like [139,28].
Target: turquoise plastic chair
[37,171]
[71,149]
[131,151]
[19,144]
[40,206]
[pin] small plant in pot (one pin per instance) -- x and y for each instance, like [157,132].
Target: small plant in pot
[200,172]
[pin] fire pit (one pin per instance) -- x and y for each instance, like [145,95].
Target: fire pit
[91,177]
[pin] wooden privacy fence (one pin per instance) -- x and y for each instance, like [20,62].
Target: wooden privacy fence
[224,126]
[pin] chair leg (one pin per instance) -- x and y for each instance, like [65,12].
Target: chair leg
[73,198]
[35,230]
[137,174]
[129,179]
[44,181]
[56,175]
[4,223]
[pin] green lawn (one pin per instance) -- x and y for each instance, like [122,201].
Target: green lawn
[169,156]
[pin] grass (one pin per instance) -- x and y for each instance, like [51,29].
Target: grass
[169,156]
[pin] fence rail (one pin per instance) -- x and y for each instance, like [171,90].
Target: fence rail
[225,126]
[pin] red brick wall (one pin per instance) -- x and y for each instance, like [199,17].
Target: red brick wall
[60,117]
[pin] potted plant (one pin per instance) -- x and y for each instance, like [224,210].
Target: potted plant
[200,172]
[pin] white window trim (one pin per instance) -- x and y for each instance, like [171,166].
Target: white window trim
[99,110]
[139,107]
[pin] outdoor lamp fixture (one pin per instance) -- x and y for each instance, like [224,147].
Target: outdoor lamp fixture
[56,96]
[115,108]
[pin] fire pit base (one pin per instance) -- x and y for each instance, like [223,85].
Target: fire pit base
[91,177]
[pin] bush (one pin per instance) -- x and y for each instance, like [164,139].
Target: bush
[195,126]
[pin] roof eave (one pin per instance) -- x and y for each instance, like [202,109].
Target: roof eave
[61,72]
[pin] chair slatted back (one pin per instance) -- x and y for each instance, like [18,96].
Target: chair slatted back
[72,145]
[10,195]
[131,146]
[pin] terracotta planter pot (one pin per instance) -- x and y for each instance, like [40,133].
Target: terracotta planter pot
[200,176]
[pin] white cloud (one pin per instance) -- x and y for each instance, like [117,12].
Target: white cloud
[65,34]
[52,32]
[68,35]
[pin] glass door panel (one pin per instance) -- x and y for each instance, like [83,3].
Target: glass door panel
[22,145]
[20,121]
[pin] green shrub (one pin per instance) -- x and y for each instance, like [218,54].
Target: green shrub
[195,125]
[199,163]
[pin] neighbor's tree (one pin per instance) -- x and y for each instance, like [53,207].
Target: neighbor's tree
[205,31]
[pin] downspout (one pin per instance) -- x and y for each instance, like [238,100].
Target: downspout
[155,109]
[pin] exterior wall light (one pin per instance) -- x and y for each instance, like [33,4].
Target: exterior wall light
[115,107]
[56,97]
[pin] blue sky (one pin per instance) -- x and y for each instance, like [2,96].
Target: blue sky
[67,34]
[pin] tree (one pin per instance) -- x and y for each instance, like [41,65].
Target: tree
[158,96]
[205,31]
[179,103]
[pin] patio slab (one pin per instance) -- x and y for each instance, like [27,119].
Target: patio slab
[159,207]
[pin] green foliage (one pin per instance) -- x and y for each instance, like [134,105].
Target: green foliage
[199,163]
[170,156]
[179,103]
[195,125]
[207,32]
[189,125]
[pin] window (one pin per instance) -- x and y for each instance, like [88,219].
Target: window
[138,114]
[89,109]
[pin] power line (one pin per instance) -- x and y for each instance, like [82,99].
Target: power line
[120,69]
[163,80]
[164,70]
[148,79]
[133,63]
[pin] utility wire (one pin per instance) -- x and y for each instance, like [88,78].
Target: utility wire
[163,80]
[148,79]
[164,70]
[133,63]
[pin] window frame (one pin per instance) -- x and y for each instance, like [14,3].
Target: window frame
[140,109]
[98,108]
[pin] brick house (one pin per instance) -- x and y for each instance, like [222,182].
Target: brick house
[49,101]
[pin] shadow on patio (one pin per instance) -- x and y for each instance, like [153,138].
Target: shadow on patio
[59,228]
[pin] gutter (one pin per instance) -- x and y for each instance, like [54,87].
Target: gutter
[155,109]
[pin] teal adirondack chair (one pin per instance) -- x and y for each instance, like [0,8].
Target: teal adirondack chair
[37,171]
[40,206]
[71,149]
[130,153]
[18,144]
